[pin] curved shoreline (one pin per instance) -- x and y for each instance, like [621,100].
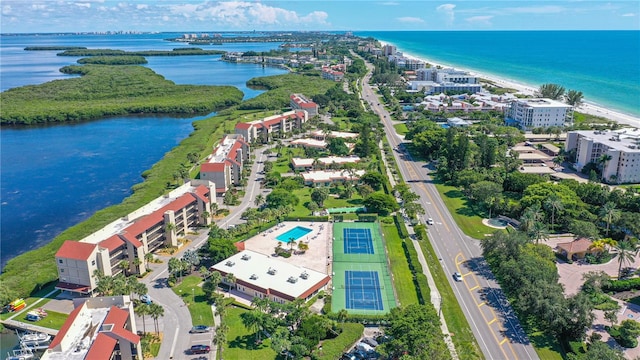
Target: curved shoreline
[587,107]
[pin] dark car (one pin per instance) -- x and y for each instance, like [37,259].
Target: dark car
[199,329]
[200,349]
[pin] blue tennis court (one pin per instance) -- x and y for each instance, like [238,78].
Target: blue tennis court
[357,241]
[362,290]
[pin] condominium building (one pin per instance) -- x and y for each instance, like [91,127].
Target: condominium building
[263,129]
[528,114]
[389,50]
[432,87]
[300,102]
[326,178]
[330,74]
[449,75]
[101,328]
[262,276]
[329,161]
[224,166]
[618,152]
[131,237]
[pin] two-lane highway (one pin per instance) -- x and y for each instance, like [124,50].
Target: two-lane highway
[490,316]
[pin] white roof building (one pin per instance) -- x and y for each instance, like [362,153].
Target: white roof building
[326,178]
[260,275]
[621,147]
[320,135]
[324,161]
[538,113]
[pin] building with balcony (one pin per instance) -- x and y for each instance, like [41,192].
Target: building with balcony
[330,74]
[224,166]
[328,177]
[528,114]
[131,237]
[101,328]
[262,130]
[617,152]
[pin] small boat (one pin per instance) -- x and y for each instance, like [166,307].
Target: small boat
[34,339]
[21,354]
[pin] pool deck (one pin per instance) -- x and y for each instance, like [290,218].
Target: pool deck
[317,258]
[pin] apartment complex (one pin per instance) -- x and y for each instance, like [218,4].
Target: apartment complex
[618,152]
[445,75]
[262,276]
[131,237]
[331,74]
[300,102]
[263,129]
[224,166]
[327,177]
[101,328]
[329,161]
[528,114]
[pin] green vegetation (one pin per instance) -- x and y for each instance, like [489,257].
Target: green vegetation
[466,218]
[281,87]
[240,340]
[192,294]
[53,320]
[112,52]
[401,128]
[114,60]
[402,277]
[109,90]
[333,348]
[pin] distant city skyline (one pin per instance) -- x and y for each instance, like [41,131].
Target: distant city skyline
[52,16]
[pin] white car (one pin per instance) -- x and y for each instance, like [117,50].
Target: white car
[457,276]
[429,221]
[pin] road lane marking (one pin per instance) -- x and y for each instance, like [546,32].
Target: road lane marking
[475,287]
[157,276]
[492,321]
[480,304]
[175,339]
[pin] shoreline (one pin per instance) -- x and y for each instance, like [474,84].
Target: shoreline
[528,89]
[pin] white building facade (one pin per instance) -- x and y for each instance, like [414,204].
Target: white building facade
[538,113]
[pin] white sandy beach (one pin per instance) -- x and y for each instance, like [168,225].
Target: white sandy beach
[587,107]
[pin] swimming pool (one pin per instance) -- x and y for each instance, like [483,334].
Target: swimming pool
[295,233]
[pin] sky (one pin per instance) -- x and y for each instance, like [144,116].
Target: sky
[52,16]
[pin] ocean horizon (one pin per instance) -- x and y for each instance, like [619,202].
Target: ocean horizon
[604,65]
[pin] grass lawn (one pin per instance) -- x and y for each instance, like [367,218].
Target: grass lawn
[463,338]
[332,349]
[54,320]
[546,346]
[241,342]
[402,277]
[193,295]
[466,218]
[401,128]
[31,302]
[304,195]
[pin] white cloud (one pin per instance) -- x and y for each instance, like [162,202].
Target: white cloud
[447,10]
[482,20]
[410,19]
[142,6]
[6,9]
[243,14]
[628,14]
[84,5]
[38,7]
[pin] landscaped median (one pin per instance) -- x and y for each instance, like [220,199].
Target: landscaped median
[196,300]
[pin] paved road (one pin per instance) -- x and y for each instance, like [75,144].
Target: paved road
[491,318]
[176,322]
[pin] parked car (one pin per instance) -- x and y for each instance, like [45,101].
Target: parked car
[199,329]
[370,341]
[429,221]
[146,299]
[457,276]
[348,356]
[200,349]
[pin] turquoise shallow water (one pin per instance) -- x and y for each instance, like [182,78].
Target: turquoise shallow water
[604,65]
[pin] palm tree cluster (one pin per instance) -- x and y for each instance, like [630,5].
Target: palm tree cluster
[154,310]
[117,285]
[557,92]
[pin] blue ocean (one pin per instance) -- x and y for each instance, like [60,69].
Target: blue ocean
[604,65]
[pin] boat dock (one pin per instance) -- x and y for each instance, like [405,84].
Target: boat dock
[18,325]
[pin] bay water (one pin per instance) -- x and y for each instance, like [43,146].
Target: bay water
[55,176]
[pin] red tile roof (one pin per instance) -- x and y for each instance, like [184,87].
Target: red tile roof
[132,240]
[157,216]
[202,192]
[102,347]
[243,126]
[111,243]
[116,316]
[73,287]
[576,246]
[212,167]
[232,161]
[65,327]
[126,334]
[75,250]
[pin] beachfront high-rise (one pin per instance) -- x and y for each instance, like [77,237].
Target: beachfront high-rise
[528,114]
[617,152]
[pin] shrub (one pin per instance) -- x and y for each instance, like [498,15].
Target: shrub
[622,285]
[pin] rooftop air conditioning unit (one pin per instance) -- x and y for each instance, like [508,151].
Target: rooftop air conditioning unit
[253,277]
[304,275]
[246,257]
[292,279]
[229,263]
[272,271]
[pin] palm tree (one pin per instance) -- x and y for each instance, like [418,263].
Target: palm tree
[627,251]
[142,309]
[531,215]
[343,315]
[550,91]
[259,200]
[609,214]
[292,243]
[303,246]
[602,162]
[554,203]
[221,334]
[156,311]
[254,321]
[148,257]
[230,279]
[136,263]
[124,266]
[539,232]
[574,98]
[214,209]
